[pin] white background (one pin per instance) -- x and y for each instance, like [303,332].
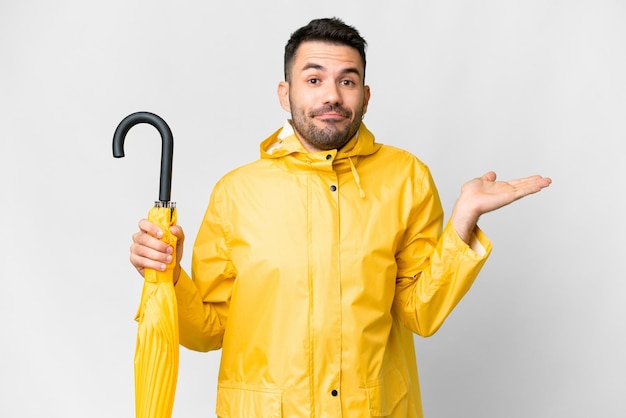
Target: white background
[520,87]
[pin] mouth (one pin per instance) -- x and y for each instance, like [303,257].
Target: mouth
[330,114]
[331,117]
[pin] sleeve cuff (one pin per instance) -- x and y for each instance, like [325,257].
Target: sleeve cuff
[479,243]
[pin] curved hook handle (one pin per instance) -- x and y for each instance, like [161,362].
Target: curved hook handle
[167,150]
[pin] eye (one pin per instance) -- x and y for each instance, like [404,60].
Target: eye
[348,83]
[313,81]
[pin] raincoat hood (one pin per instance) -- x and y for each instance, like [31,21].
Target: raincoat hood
[284,142]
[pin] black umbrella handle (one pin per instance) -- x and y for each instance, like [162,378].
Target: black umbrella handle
[167,149]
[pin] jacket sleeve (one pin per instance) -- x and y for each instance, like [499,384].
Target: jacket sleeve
[435,269]
[204,298]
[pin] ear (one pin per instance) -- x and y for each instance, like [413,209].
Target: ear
[366,98]
[283,95]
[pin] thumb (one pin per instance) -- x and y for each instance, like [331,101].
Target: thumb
[178,232]
[489,176]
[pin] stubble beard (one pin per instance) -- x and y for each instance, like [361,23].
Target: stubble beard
[330,137]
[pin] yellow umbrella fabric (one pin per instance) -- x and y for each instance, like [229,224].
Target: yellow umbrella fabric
[157,352]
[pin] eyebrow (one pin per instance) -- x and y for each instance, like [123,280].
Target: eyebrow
[349,70]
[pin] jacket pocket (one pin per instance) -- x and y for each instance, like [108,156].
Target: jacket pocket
[236,401]
[384,394]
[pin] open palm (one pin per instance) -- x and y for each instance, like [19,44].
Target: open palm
[486,194]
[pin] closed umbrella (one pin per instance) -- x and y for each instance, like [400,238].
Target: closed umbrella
[156,351]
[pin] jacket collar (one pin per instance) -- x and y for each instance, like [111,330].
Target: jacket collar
[285,147]
[284,142]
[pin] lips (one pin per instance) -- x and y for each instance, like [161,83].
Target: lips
[330,116]
[330,112]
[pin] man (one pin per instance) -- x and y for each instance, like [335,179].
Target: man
[314,265]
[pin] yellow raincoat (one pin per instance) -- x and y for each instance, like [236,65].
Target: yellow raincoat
[311,270]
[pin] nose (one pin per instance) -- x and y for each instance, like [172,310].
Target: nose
[331,94]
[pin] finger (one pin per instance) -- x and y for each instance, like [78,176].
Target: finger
[530,185]
[144,252]
[142,263]
[143,239]
[489,176]
[538,182]
[544,181]
[526,180]
[177,230]
[530,182]
[150,228]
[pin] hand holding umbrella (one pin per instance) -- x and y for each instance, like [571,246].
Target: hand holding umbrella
[156,352]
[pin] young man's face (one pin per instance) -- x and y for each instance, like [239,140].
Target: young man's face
[325,94]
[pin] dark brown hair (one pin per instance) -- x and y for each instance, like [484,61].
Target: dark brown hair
[331,30]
